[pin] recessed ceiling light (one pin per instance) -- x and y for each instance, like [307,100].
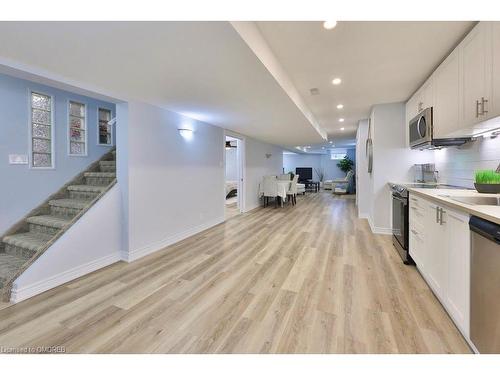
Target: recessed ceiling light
[336,81]
[331,142]
[340,106]
[341,128]
[341,120]
[329,24]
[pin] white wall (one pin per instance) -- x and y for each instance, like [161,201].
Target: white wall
[93,242]
[258,165]
[363,188]
[456,166]
[175,185]
[392,162]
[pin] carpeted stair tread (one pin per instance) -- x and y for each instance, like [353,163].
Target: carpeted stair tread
[70,203]
[87,188]
[48,221]
[100,174]
[9,264]
[27,240]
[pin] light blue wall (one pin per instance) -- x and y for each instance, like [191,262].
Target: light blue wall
[316,161]
[22,188]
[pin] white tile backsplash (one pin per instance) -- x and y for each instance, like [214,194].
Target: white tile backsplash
[456,165]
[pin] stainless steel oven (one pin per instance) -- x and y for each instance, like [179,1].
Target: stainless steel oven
[421,128]
[400,222]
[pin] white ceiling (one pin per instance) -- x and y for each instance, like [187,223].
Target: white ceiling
[378,62]
[201,69]
[207,71]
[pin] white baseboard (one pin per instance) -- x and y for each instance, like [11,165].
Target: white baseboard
[170,240]
[374,229]
[20,294]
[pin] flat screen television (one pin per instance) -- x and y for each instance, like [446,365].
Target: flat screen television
[304,173]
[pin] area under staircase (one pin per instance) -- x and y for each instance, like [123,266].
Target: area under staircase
[28,239]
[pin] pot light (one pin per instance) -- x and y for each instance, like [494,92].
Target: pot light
[336,81]
[329,24]
[341,120]
[186,133]
[342,129]
[340,106]
[331,142]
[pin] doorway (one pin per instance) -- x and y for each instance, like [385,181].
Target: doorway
[233,194]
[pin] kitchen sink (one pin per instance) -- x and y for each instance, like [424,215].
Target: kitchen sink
[482,201]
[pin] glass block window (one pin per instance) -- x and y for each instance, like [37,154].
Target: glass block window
[77,129]
[104,132]
[41,131]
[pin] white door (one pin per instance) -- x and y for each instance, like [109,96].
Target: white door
[435,242]
[458,273]
[476,65]
[446,110]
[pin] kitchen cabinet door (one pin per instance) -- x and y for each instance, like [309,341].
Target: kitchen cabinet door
[427,94]
[435,242]
[458,273]
[475,52]
[495,81]
[446,111]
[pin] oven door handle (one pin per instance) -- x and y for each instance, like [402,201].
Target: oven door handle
[402,200]
[418,126]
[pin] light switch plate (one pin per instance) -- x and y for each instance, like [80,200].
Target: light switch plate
[18,159]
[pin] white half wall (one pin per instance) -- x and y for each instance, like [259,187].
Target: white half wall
[175,185]
[93,242]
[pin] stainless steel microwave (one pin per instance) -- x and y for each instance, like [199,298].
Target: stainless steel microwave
[421,133]
[421,128]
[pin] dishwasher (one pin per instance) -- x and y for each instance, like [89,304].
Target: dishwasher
[485,285]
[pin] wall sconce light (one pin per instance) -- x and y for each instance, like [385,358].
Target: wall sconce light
[186,133]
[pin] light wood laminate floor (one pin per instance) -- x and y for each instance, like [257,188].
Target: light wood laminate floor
[305,279]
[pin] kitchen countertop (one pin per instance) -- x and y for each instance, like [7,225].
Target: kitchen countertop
[491,213]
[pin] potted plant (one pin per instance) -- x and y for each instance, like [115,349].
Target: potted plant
[487,181]
[345,164]
[292,175]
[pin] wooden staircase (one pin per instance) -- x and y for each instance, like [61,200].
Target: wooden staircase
[28,239]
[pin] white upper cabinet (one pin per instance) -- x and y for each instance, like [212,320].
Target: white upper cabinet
[476,73]
[495,79]
[446,111]
[465,88]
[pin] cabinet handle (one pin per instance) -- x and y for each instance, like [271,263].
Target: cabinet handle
[477,108]
[441,212]
[483,101]
[437,214]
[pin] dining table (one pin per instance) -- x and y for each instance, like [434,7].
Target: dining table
[282,187]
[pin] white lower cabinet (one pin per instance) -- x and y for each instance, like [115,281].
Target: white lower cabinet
[440,246]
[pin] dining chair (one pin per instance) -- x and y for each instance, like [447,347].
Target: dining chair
[270,188]
[284,177]
[292,191]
